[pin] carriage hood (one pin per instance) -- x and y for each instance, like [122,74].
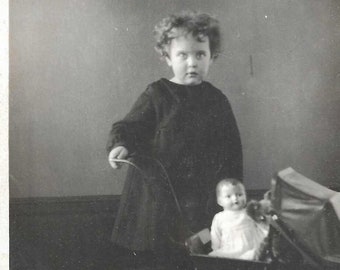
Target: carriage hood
[311,212]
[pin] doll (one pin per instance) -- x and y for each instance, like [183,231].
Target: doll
[234,234]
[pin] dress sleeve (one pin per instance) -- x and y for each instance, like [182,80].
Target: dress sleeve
[136,130]
[215,234]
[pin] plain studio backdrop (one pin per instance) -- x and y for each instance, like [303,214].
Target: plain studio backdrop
[77,66]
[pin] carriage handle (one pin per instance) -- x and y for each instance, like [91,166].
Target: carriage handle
[145,177]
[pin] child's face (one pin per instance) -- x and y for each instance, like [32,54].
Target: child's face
[232,197]
[189,59]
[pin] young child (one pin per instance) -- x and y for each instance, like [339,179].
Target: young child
[185,123]
[233,233]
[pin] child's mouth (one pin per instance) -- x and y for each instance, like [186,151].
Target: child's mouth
[192,74]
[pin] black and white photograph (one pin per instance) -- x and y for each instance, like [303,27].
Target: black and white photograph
[173,135]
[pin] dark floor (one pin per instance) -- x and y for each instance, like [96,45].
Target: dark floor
[69,234]
[36,257]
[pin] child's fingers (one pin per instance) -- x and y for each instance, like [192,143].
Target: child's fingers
[112,156]
[113,164]
[122,154]
[117,153]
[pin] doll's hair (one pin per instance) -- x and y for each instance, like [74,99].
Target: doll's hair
[200,25]
[228,182]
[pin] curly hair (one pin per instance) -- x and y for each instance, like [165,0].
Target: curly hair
[200,25]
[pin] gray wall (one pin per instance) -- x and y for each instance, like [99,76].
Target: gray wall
[77,66]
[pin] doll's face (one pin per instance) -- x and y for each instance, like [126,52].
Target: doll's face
[232,197]
[189,59]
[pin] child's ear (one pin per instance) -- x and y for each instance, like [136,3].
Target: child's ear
[168,60]
[213,58]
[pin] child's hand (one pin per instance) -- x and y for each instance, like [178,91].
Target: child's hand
[119,152]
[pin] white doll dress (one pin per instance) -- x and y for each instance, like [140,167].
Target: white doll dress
[235,235]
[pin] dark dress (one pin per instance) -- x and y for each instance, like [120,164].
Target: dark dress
[192,131]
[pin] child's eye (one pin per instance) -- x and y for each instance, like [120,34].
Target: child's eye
[200,55]
[182,55]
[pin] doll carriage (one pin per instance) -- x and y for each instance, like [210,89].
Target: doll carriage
[304,229]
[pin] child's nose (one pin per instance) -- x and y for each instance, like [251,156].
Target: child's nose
[192,62]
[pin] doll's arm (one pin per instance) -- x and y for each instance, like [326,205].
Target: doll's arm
[215,235]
